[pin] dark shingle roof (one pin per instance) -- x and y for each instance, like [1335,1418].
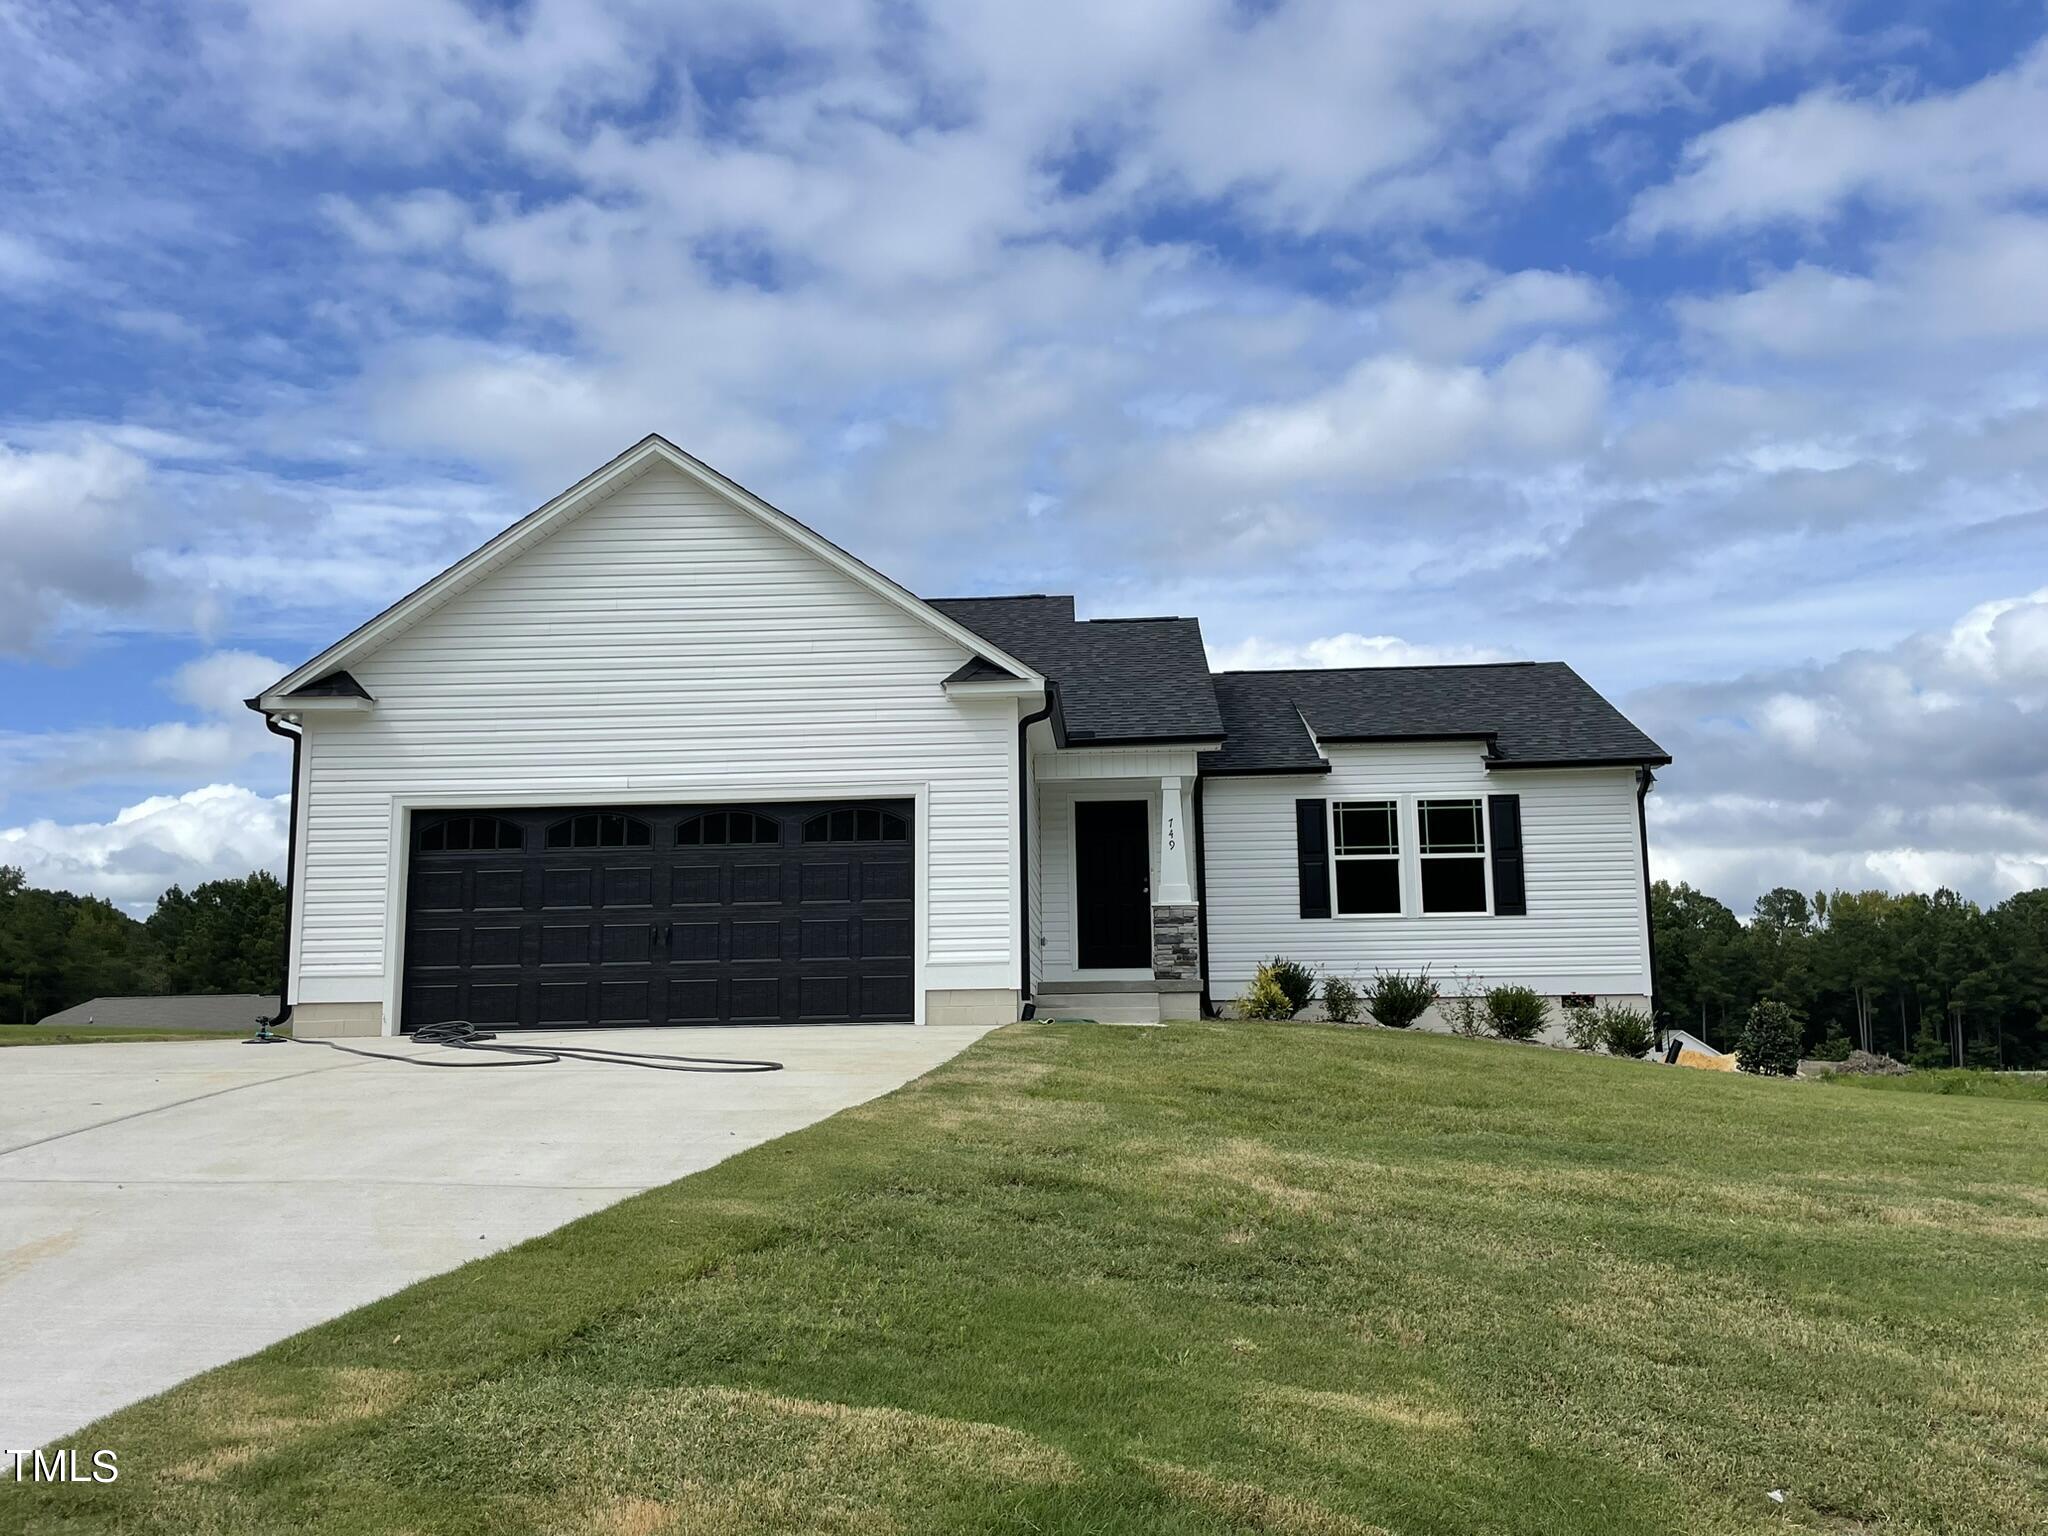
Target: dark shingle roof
[1116,680]
[1529,713]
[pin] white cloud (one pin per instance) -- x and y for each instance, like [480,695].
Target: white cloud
[1457,309]
[218,682]
[1801,163]
[68,526]
[1393,418]
[213,833]
[1913,766]
[1255,654]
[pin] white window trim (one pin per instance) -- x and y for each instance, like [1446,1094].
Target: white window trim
[1398,858]
[1484,853]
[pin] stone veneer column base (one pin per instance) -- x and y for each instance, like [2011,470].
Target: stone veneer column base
[1176,943]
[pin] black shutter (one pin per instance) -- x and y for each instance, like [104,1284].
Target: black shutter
[1504,837]
[1312,850]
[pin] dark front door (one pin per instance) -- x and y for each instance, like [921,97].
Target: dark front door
[680,914]
[1113,885]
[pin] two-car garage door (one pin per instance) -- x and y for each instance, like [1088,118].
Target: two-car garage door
[610,917]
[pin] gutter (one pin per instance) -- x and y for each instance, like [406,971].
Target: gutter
[1024,807]
[291,860]
[1644,779]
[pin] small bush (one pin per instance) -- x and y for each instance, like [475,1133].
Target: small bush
[1397,999]
[1296,980]
[1582,1027]
[1769,1042]
[1834,1048]
[1465,1009]
[1264,999]
[1516,1013]
[1626,1031]
[1340,1000]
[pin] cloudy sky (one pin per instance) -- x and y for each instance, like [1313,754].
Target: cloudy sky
[1700,344]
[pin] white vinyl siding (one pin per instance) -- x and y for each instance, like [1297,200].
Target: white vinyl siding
[663,645]
[1586,927]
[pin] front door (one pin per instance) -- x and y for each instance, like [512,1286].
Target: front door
[1113,885]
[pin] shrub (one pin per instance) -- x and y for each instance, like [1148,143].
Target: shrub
[1296,980]
[1583,1028]
[1930,1047]
[1464,1008]
[1263,999]
[1398,999]
[1340,1000]
[1626,1031]
[1515,1013]
[1834,1048]
[1769,1043]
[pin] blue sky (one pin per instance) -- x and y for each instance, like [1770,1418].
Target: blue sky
[1698,344]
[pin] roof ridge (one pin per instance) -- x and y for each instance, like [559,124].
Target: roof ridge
[1400,666]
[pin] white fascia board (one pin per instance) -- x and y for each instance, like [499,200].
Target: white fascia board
[274,703]
[995,688]
[601,482]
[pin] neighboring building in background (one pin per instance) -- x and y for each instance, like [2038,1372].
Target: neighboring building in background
[659,754]
[228,1012]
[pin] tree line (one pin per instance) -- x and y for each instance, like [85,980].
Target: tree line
[1934,980]
[1931,980]
[57,949]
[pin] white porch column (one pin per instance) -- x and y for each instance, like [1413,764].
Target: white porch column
[1175,886]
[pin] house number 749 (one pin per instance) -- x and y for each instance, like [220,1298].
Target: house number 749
[1171,842]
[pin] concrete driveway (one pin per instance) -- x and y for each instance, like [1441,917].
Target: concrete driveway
[165,1208]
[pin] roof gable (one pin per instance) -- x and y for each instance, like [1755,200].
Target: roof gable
[552,515]
[1116,680]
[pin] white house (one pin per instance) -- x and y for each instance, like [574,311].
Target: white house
[659,754]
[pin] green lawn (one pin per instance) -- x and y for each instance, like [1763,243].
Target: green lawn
[1277,1278]
[43,1034]
[1951,1080]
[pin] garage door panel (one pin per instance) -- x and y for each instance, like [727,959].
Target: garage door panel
[627,944]
[562,944]
[564,888]
[495,946]
[630,887]
[500,890]
[564,1002]
[885,881]
[686,914]
[825,882]
[493,1003]
[695,942]
[755,1000]
[699,886]
[755,940]
[885,938]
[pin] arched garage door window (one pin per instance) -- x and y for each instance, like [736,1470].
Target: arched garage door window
[716,829]
[851,824]
[600,829]
[470,834]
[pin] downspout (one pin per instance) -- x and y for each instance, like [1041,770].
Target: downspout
[291,863]
[1644,779]
[1202,903]
[1024,808]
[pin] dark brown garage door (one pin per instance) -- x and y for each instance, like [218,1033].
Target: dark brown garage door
[606,917]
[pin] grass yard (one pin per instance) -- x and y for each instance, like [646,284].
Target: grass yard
[43,1034]
[1209,1278]
[1951,1080]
